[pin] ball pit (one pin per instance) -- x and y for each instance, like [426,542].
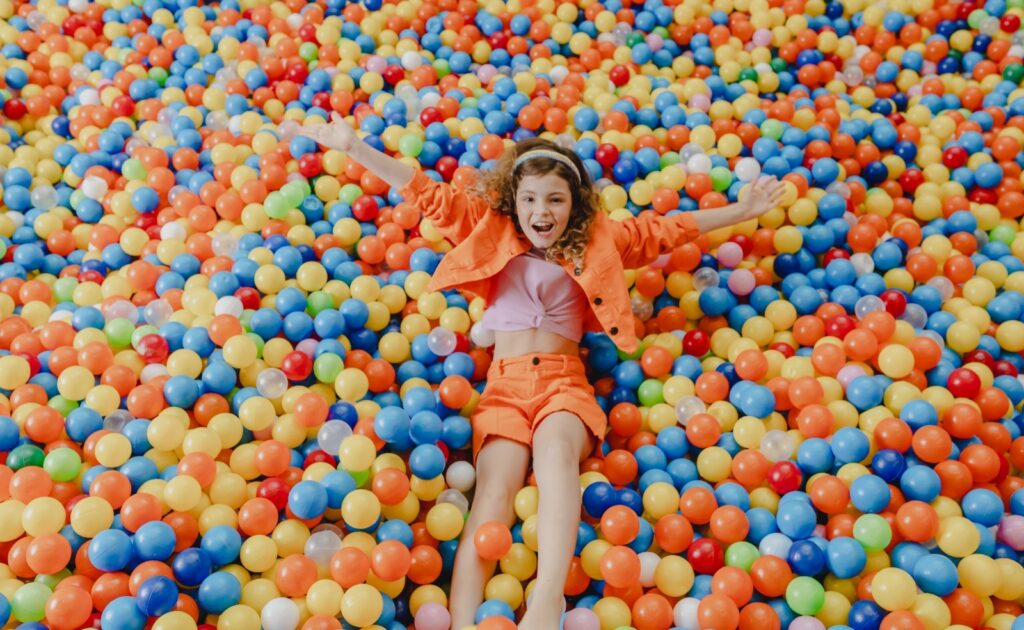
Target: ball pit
[227,400]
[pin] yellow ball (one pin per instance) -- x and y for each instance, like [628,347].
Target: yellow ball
[894,589]
[14,372]
[957,537]
[361,605]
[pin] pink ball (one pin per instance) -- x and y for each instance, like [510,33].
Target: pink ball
[848,373]
[806,623]
[741,282]
[661,261]
[433,616]
[730,254]
[1011,531]
[581,619]
[762,37]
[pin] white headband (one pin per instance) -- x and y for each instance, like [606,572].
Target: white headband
[551,155]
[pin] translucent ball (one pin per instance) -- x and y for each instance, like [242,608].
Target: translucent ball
[642,308]
[228,305]
[705,278]
[158,312]
[915,315]
[287,130]
[441,341]
[94,187]
[272,383]
[151,371]
[943,285]
[121,309]
[687,407]
[117,420]
[173,231]
[224,245]
[44,197]
[868,304]
[456,498]
[863,263]
[321,546]
[332,434]
[777,445]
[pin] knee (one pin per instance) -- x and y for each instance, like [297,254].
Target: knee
[555,450]
[493,495]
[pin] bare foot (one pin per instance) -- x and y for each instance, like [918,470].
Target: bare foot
[543,613]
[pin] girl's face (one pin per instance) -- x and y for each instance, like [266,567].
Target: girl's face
[543,206]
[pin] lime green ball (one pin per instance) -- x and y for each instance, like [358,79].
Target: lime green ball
[29,602]
[410,145]
[64,289]
[650,392]
[1003,233]
[872,531]
[63,405]
[62,464]
[133,169]
[317,302]
[771,129]
[119,333]
[361,477]
[741,554]
[141,332]
[721,178]
[349,193]
[308,51]
[276,205]
[805,595]
[327,367]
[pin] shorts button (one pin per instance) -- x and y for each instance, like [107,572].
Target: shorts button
[598,301]
[578,272]
[536,361]
[614,330]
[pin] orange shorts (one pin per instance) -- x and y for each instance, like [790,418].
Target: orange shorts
[522,391]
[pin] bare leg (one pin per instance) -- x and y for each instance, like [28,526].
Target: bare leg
[501,473]
[558,445]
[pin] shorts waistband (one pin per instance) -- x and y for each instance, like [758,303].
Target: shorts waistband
[536,360]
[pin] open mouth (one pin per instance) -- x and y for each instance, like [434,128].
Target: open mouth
[543,229]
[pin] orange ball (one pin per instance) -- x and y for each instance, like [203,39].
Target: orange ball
[718,612]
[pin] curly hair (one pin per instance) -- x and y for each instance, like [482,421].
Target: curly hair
[499,187]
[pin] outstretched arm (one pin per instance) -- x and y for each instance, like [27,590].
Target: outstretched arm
[338,135]
[453,213]
[642,239]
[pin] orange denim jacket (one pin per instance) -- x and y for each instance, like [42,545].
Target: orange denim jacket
[485,241]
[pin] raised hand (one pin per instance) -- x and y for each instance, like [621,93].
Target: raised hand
[763,195]
[337,135]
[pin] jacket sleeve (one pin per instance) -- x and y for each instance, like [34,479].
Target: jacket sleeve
[452,212]
[642,239]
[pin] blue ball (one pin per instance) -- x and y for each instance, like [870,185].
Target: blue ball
[806,558]
[846,557]
[123,613]
[157,596]
[870,494]
[219,592]
[936,574]
[154,540]
[222,543]
[110,550]
[307,500]
[192,566]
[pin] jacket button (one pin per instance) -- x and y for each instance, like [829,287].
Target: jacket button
[598,301]
[536,361]
[614,330]
[578,272]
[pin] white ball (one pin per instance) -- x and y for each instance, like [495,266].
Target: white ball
[699,163]
[331,435]
[228,305]
[321,546]
[172,231]
[747,169]
[705,278]
[481,336]
[272,383]
[151,371]
[648,563]
[685,614]
[280,613]
[461,476]
[94,187]
[411,60]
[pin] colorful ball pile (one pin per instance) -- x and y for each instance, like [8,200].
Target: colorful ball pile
[228,400]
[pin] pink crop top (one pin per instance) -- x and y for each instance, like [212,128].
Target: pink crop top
[531,292]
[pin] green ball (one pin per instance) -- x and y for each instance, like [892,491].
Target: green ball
[349,193]
[741,554]
[256,339]
[62,464]
[872,531]
[119,333]
[634,38]
[51,581]
[748,74]
[442,68]
[327,367]
[64,289]
[29,602]
[292,194]
[63,405]
[318,302]
[1003,233]
[25,455]
[159,75]
[410,145]
[77,198]
[1014,72]
[721,178]
[974,18]
[650,392]
[359,476]
[276,205]
[771,129]
[308,51]
[668,158]
[778,64]
[133,170]
[805,595]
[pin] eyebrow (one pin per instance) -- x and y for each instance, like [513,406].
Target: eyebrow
[533,192]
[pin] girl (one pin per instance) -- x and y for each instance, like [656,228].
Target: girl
[531,240]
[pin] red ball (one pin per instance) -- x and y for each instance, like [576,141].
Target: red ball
[606,155]
[275,490]
[895,302]
[963,383]
[954,157]
[619,75]
[297,365]
[839,325]
[365,208]
[310,165]
[1009,23]
[696,343]
[706,556]
[784,477]
[153,348]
